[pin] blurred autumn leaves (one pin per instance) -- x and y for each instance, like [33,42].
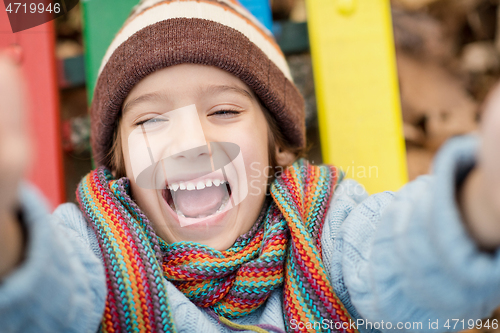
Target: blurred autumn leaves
[448,59]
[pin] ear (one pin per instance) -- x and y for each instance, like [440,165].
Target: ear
[284,157]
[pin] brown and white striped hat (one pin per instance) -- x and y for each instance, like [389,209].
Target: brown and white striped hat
[220,33]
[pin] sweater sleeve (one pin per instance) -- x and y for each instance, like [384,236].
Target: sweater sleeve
[60,286]
[405,258]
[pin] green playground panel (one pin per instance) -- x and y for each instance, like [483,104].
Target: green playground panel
[101,21]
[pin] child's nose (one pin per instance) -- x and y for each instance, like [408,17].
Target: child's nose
[188,139]
[193,154]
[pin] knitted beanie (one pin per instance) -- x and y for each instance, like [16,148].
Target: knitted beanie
[220,33]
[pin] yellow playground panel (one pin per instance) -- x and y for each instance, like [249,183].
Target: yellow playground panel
[359,113]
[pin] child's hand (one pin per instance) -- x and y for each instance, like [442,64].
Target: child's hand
[480,196]
[14,155]
[14,143]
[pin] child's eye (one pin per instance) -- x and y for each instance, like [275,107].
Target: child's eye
[153,122]
[225,113]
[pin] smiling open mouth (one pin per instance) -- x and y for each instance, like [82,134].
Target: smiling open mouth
[198,199]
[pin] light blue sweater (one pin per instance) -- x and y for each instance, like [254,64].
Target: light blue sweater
[402,258]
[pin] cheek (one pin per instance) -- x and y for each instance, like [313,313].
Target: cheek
[257,167]
[147,200]
[253,140]
[258,156]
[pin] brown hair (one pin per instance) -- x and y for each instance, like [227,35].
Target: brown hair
[115,154]
[275,139]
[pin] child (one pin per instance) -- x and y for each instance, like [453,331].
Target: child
[194,112]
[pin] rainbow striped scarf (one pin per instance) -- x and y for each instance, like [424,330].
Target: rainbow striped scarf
[283,249]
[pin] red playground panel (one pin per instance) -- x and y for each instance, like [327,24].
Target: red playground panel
[39,68]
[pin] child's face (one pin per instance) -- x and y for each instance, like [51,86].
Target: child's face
[192,106]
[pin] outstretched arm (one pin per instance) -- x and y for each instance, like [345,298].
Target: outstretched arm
[407,257]
[479,197]
[50,279]
[428,252]
[14,152]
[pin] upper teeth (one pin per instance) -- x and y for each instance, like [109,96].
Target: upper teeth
[200,185]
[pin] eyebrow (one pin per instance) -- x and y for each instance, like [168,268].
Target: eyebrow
[150,97]
[214,89]
[162,96]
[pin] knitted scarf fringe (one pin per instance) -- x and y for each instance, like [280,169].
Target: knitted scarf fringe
[283,248]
